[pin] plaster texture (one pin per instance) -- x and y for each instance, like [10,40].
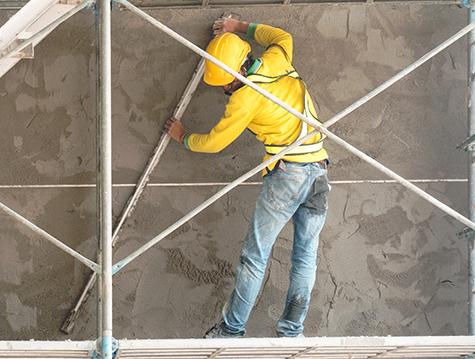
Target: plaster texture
[389,263]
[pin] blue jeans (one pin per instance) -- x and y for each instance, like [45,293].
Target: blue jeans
[298,191]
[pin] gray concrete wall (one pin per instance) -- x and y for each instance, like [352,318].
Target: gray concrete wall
[389,263]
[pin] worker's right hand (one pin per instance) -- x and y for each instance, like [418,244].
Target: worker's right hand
[175,129]
[226,24]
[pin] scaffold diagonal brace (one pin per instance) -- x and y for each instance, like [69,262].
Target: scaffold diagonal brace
[94,266]
[122,263]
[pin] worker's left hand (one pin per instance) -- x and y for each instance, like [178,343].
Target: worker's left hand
[175,129]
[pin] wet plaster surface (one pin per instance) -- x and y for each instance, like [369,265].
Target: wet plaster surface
[389,263]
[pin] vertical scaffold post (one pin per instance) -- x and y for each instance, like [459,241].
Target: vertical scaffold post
[471,171]
[105,175]
[98,181]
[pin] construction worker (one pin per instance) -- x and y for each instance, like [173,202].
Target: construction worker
[295,187]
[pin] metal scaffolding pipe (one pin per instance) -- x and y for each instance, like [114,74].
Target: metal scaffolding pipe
[105,174]
[257,4]
[122,263]
[294,112]
[399,75]
[471,170]
[276,100]
[29,13]
[68,324]
[202,184]
[47,29]
[50,238]
[163,142]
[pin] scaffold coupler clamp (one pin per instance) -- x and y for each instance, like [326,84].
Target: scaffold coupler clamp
[466,233]
[468,145]
[115,350]
[467,3]
[115,5]
[94,9]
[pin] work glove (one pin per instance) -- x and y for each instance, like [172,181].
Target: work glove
[175,129]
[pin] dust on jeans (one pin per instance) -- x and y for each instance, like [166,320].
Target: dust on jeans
[281,193]
[318,199]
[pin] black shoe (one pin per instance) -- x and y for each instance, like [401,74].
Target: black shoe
[280,335]
[219,331]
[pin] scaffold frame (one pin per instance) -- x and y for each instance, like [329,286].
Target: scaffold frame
[356,347]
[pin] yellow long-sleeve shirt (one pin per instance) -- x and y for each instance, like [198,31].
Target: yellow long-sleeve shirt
[246,108]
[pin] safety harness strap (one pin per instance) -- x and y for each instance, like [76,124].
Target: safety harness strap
[304,148]
[300,150]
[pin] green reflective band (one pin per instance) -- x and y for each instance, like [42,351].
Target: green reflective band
[255,66]
[185,142]
[251,30]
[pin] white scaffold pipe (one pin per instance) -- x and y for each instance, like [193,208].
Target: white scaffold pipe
[105,175]
[276,100]
[50,238]
[143,182]
[122,263]
[471,169]
[47,29]
[210,184]
[299,115]
[400,74]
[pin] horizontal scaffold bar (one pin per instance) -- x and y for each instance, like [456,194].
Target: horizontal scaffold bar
[199,4]
[208,184]
[313,347]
